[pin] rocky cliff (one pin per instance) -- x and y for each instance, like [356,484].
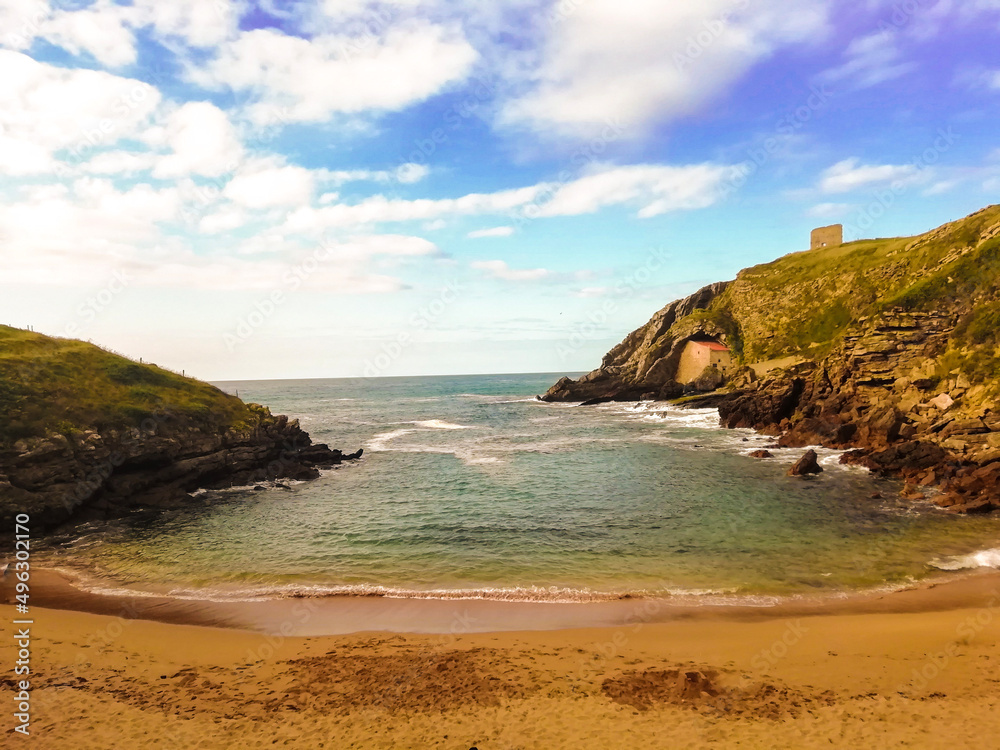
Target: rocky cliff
[645,363]
[896,352]
[85,433]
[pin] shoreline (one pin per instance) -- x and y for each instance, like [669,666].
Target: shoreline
[343,615]
[920,674]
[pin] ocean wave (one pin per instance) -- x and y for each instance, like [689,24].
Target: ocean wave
[651,411]
[440,424]
[987,558]
[380,441]
[526,594]
[734,596]
[711,597]
[494,399]
[240,489]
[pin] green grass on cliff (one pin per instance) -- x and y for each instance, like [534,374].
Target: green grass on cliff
[803,303]
[63,385]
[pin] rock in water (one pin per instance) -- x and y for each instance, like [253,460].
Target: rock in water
[806,465]
[761,454]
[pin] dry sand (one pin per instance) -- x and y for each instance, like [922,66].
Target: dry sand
[916,669]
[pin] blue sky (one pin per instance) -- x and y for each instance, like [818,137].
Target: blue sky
[356,188]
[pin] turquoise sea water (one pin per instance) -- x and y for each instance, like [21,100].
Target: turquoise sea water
[471,488]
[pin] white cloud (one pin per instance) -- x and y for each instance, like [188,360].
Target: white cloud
[590,292]
[105,29]
[941,187]
[120,163]
[225,220]
[45,109]
[187,270]
[19,157]
[201,23]
[21,22]
[652,189]
[828,210]
[386,245]
[271,186]
[309,80]
[645,62]
[494,232]
[869,61]
[498,269]
[406,174]
[655,189]
[410,173]
[850,174]
[379,209]
[101,29]
[79,233]
[202,141]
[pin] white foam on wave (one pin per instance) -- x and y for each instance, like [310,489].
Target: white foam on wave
[494,399]
[536,594]
[467,454]
[440,424]
[739,441]
[675,596]
[652,411]
[381,441]
[239,489]
[987,558]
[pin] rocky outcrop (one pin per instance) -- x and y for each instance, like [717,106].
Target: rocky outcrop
[808,464]
[888,347]
[100,474]
[711,379]
[880,394]
[645,363]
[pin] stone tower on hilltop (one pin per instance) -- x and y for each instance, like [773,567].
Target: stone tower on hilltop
[827,236]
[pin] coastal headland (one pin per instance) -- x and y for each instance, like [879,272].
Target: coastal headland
[886,348]
[89,434]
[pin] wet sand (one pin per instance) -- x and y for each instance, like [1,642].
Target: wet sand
[341,615]
[917,668]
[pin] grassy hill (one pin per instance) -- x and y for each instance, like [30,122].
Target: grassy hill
[63,385]
[804,302]
[803,305]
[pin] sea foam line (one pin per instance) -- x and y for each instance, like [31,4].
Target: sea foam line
[986,558]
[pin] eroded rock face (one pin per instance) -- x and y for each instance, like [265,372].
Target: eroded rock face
[710,379]
[841,371]
[647,360]
[96,475]
[876,394]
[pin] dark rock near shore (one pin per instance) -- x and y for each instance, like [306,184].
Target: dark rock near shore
[761,454]
[808,464]
[103,474]
[710,379]
[764,407]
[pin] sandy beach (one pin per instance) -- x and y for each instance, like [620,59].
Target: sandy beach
[917,668]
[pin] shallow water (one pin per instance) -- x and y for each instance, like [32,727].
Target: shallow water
[471,488]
